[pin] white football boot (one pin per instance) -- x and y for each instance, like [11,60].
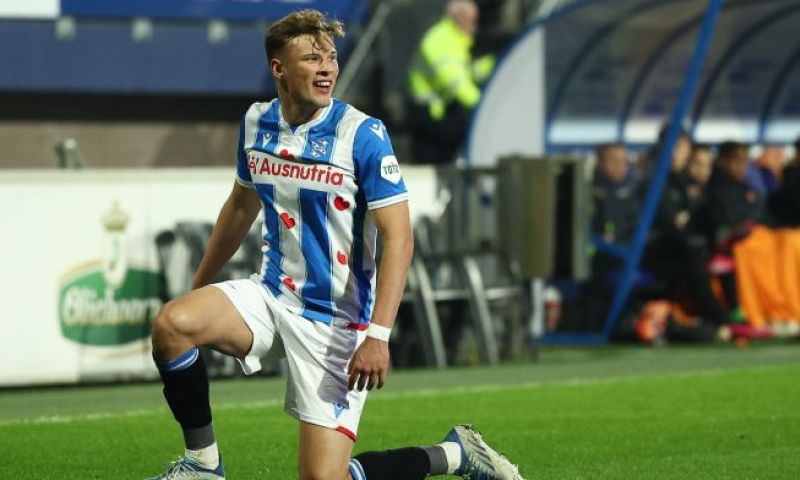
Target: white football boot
[186,468]
[479,461]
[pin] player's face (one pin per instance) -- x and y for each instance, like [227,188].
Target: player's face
[307,70]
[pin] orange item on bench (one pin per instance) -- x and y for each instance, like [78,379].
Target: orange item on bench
[768,275]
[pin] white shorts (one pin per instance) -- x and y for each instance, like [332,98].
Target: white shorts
[318,357]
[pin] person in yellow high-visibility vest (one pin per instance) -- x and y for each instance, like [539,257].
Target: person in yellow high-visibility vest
[443,84]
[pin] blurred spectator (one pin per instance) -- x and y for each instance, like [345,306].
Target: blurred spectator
[443,84]
[671,253]
[788,199]
[769,166]
[680,153]
[764,175]
[701,164]
[701,228]
[673,213]
[615,209]
[737,209]
[698,173]
[737,206]
[615,213]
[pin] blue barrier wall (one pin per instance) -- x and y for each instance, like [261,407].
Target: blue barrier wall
[103,58]
[178,58]
[242,10]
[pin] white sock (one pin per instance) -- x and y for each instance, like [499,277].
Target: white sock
[452,451]
[205,457]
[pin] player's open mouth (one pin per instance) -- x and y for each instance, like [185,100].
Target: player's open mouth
[323,86]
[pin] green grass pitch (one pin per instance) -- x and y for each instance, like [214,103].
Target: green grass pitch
[615,413]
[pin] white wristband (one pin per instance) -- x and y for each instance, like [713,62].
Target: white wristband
[379,332]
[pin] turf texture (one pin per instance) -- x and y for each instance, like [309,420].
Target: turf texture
[616,413]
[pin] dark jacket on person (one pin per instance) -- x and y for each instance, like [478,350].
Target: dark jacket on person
[787,200]
[673,256]
[615,212]
[674,200]
[615,209]
[734,205]
[701,221]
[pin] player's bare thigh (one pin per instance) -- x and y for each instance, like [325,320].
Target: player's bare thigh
[324,453]
[204,316]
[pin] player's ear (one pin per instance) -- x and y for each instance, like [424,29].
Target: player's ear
[276,67]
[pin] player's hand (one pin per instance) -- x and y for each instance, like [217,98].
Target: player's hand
[369,364]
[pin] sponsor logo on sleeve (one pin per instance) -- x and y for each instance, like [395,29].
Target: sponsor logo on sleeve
[390,169]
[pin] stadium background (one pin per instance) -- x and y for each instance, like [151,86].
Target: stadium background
[117,129]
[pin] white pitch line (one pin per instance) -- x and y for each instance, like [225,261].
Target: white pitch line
[425,392]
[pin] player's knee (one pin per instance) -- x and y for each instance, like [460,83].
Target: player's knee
[173,320]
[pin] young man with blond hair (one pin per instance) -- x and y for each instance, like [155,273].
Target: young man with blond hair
[326,179]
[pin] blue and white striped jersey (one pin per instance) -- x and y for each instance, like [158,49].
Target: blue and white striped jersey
[316,182]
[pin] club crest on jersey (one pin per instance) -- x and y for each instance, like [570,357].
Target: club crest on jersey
[390,169]
[319,148]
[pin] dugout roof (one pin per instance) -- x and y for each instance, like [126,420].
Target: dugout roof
[613,70]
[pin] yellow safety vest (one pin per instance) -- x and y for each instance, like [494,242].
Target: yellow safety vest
[443,69]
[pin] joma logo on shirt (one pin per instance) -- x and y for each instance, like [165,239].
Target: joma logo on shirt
[312,173]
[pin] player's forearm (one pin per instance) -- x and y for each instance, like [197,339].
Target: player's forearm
[397,252]
[232,226]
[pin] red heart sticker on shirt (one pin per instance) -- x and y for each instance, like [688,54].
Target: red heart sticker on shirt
[287,220]
[286,155]
[341,204]
[289,283]
[341,257]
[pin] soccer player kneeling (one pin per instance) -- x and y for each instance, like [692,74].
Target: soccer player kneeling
[326,181]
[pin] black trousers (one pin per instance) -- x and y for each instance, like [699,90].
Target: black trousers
[436,142]
[675,262]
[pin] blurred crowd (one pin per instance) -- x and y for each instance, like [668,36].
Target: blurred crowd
[722,259]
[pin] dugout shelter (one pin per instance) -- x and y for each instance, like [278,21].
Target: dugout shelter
[594,71]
